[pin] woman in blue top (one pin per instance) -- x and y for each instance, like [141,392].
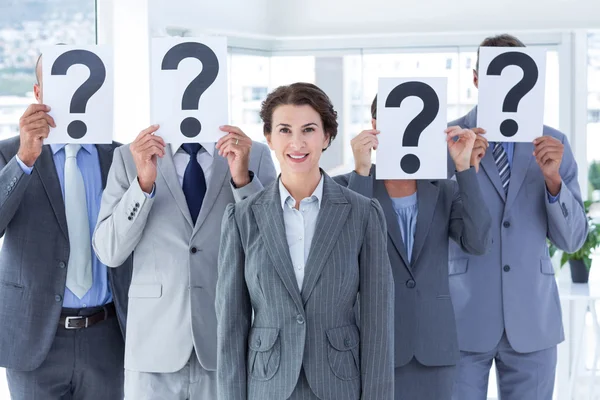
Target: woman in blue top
[421,216]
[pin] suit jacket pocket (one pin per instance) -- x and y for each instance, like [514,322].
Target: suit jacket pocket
[264,353]
[546,266]
[343,352]
[458,266]
[151,290]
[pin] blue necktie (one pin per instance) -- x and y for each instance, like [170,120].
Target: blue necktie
[194,183]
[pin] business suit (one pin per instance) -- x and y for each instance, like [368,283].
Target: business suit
[304,344]
[425,329]
[33,272]
[171,300]
[506,302]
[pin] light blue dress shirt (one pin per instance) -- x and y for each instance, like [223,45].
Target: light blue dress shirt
[407,210]
[300,226]
[509,148]
[89,165]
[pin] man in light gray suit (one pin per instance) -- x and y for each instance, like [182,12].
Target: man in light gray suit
[62,312]
[506,302]
[166,204]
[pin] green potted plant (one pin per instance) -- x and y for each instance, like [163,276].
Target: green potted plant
[581,261]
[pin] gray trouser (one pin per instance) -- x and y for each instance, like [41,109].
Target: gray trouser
[414,381]
[192,382]
[521,376]
[82,364]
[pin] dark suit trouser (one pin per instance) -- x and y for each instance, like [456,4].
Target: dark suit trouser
[83,364]
[414,381]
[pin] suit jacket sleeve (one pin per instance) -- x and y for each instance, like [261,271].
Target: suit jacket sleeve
[262,177]
[376,310]
[357,183]
[233,310]
[123,214]
[470,220]
[13,185]
[567,222]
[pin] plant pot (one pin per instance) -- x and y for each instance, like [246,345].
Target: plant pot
[579,272]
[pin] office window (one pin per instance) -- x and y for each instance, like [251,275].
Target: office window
[593,126]
[25,26]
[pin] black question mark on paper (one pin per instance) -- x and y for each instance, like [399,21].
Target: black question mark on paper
[190,126]
[77,129]
[410,163]
[509,127]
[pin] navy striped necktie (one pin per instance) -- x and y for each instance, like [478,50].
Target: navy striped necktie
[194,182]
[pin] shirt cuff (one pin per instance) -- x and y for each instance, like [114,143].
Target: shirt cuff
[552,199]
[27,170]
[152,193]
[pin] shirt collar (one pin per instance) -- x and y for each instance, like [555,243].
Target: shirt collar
[209,147]
[58,147]
[286,196]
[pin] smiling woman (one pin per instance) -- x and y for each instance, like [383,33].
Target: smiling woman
[293,257]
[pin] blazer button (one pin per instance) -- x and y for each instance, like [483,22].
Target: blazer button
[130,218]
[347,342]
[61,265]
[506,268]
[410,284]
[193,250]
[58,298]
[137,204]
[506,224]
[300,319]
[258,342]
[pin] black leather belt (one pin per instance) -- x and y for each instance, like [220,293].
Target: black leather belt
[85,321]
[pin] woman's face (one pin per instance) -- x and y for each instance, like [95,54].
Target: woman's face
[297,138]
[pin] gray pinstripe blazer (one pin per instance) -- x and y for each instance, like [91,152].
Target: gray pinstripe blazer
[316,328]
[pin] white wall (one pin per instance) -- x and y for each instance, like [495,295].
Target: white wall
[355,17]
[248,17]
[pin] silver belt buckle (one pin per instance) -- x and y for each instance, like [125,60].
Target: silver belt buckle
[68,319]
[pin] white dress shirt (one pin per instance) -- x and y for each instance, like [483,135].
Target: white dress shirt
[300,226]
[204,156]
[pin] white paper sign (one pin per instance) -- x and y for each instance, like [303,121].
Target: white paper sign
[511,93]
[411,116]
[189,88]
[78,85]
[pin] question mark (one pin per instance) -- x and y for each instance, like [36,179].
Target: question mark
[191,127]
[77,129]
[410,163]
[509,127]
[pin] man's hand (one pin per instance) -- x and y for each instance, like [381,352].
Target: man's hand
[548,154]
[145,150]
[236,146]
[362,146]
[34,127]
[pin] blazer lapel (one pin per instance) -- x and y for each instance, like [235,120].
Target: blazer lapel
[522,156]
[105,154]
[269,218]
[47,171]
[220,170]
[427,194]
[491,169]
[381,194]
[332,218]
[167,170]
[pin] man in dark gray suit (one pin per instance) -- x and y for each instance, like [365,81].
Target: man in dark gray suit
[506,301]
[61,310]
